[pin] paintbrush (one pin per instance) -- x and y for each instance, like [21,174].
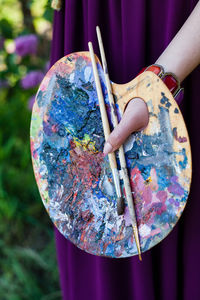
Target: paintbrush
[124,170]
[106,126]
[120,202]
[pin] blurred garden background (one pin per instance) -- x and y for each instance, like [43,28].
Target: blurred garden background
[28,268]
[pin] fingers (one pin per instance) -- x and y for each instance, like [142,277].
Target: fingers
[135,118]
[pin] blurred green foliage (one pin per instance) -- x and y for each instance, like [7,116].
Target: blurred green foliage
[28,268]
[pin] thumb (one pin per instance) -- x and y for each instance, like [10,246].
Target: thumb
[135,118]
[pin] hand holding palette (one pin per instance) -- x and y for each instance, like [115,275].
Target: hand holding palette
[75,179]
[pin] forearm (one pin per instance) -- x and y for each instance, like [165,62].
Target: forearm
[182,55]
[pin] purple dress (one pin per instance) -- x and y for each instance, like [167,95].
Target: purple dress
[135,33]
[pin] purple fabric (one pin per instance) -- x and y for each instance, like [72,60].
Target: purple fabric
[134,33]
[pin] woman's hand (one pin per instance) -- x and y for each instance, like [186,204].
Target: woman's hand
[135,118]
[180,57]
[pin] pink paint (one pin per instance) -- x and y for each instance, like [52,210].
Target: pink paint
[154,182]
[34,153]
[155,231]
[166,226]
[155,199]
[137,181]
[147,195]
[162,196]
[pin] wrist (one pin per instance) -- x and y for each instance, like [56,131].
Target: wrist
[172,66]
[170,80]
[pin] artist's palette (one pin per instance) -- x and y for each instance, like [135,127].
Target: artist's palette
[75,179]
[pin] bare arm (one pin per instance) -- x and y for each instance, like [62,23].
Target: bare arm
[180,57]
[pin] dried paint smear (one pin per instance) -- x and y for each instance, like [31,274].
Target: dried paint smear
[75,180]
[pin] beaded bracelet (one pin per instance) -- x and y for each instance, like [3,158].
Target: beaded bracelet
[169,79]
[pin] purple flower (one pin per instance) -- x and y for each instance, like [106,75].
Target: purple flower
[32,79]
[31,102]
[26,44]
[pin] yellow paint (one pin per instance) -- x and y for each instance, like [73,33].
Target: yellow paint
[86,143]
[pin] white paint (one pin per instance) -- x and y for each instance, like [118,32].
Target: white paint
[107,186]
[43,170]
[128,145]
[71,77]
[87,73]
[144,230]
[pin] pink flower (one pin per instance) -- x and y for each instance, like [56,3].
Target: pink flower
[32,79]
[26,44]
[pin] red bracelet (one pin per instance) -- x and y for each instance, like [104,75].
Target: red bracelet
[169,79]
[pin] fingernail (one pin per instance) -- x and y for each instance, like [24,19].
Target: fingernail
[107,148]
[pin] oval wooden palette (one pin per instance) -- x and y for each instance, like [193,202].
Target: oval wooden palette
[75,179]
